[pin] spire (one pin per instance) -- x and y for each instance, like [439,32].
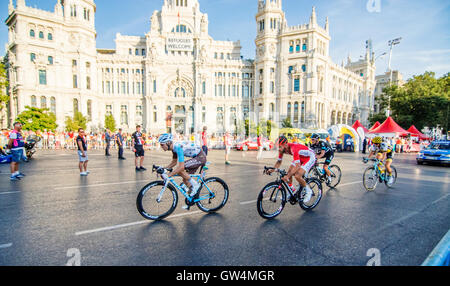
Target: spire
[10,7]
[58,8]
[313,19]
[327,25]
[21,3]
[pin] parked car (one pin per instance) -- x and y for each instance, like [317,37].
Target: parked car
[437,152]
[247,145]
[252,144]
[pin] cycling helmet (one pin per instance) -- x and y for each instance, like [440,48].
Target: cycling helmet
[377,140]
[315,136]
[282,140]
[165,138]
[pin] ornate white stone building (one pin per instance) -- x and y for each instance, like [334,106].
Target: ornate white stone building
[296,77]
[176,77]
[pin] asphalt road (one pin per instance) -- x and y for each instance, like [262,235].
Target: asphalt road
[53,211]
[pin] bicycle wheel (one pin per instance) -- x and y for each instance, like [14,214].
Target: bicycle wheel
[316,187]
[271,200]
[370,179]
[155,204]
[336,175]
[313,173]
[394,175]
[215,193]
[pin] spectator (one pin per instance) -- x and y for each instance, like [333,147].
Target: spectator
[138,148]
[364,145]
[259,143]
[16,144]
[205,141]
[119,142]
[108,142]
[228,143]
[82,152]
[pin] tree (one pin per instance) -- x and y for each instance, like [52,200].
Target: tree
[110,123]
[3,85]
[35,119]
[423,101]
[78,121]
[286,123]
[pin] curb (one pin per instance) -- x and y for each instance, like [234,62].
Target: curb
[440,256]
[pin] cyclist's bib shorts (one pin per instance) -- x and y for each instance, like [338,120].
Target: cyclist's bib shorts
[329,157]
[191,166]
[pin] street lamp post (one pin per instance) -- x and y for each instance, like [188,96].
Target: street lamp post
[391,44]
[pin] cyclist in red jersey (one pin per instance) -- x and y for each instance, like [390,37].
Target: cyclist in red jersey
[304,160]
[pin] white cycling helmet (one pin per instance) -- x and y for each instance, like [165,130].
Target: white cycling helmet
[165,138]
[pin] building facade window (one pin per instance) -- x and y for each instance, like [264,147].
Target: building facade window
[32,57]
[50,36]
[89,110]
[75,106]
[53,105]
[109,110]
[88,82]
[50,60]
[75,81]
[297,84]
[41,35]
[219,117]
[296,112]
[32,33]
[33,101]
[204,87]
[154,86]
[42,77]
[304,68]
[124,115]
[43,102]
[289,107]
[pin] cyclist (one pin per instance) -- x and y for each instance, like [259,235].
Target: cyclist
[304,160]
[181,150]
[323,150]
[383,151]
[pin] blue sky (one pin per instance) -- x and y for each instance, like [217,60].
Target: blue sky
[423,25]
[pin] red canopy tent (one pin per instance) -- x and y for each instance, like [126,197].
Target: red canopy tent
[375,126]
[416,133]
[389,128]
[358,124]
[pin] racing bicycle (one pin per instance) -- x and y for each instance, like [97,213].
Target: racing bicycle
[377,173]
[320,174]
[159,199]
[273,196]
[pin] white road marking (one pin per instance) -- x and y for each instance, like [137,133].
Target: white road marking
[348,184]
[130,224]
[5,245]
[249,202]
[101,185]
[6,193]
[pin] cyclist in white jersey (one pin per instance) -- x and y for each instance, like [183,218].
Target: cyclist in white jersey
[180,166]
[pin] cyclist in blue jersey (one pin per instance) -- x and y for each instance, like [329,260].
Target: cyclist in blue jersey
[183,168]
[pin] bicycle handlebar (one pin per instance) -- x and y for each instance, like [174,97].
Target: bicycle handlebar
[156,168]
[280,171]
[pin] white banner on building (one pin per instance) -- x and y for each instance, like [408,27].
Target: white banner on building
[180,44]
